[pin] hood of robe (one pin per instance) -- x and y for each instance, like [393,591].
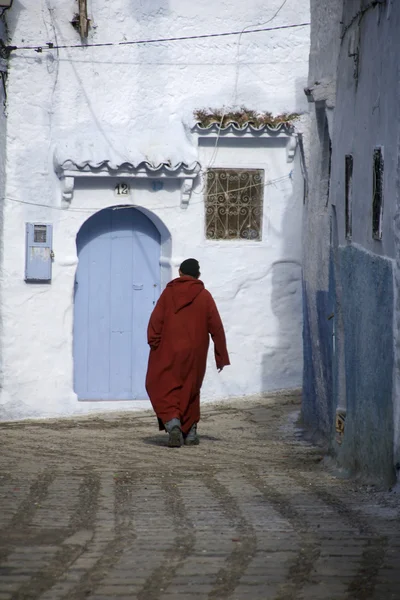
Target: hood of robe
[184,291]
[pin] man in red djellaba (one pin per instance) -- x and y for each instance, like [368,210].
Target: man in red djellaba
[178,335]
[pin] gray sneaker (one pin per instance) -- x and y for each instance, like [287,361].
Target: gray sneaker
[173,427]
[192,439]
[175,439]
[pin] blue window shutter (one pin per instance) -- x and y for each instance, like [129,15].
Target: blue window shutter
[39,243]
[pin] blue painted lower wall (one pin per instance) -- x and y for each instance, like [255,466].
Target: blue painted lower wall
[368,304]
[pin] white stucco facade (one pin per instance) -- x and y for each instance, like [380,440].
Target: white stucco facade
[73,110]
[3,121]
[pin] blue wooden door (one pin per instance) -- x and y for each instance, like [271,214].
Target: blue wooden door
[117,284]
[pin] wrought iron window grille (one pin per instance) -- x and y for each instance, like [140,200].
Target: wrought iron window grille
[234,204]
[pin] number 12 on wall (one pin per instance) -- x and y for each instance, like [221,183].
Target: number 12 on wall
[122,189]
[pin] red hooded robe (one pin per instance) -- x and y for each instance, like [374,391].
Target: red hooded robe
[178,334]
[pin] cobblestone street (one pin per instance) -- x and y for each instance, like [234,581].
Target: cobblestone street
[99,508]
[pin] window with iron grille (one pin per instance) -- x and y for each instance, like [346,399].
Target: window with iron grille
[348,195]
[377,199]
[234,204]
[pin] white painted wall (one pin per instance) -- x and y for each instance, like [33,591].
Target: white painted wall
[367,116]
[324,54]
[135,103]
[3,121]
[354,81]
[3,133]
[367,119]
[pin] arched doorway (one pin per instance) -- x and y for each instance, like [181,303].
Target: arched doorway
[117,284]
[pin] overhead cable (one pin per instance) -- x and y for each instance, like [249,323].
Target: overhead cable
[51,46]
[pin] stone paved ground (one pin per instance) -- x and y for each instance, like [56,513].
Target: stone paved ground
[99,508]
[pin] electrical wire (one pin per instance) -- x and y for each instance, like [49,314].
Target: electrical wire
[51,46]
[240,40]
[236,85]
[160,207]
[246,30]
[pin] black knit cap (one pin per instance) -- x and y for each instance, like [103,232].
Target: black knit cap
[191,267]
